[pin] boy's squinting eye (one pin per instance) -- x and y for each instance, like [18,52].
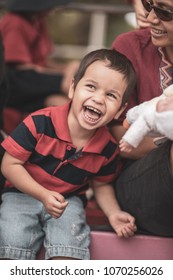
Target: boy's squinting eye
[112,95]
[90,86]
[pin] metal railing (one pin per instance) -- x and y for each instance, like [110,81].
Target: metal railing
[98,27]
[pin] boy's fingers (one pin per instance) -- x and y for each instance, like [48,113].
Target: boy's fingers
[60,206]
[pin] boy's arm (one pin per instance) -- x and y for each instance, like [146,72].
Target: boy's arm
[122,222]
[13,169]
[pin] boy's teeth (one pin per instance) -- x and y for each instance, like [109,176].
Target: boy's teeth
[93,109]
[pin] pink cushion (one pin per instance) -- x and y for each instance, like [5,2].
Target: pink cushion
[107,246]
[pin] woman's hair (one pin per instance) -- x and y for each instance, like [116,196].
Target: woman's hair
[115,61]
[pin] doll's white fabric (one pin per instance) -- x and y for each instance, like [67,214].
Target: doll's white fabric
[144,120]
[164,122]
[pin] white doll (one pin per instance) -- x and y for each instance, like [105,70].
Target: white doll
[144,120]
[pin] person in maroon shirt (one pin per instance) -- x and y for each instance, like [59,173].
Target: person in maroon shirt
[144,188]
[35,81]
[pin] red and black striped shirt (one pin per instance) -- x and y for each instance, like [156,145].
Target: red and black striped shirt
[43,142]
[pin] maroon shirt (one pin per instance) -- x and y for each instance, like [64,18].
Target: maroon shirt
[25,41]
[146,59]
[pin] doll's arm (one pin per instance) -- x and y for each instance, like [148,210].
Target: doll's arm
[136,111]
[164,123]
[136,132]
[125,146]
[133,113]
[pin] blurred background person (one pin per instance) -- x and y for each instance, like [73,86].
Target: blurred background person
[34,80]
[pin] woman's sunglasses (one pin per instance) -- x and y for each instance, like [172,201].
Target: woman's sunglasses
[162,14]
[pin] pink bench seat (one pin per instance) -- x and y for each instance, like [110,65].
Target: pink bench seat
[107,246]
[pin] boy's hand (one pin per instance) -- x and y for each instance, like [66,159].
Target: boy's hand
[123,223]
[55,204]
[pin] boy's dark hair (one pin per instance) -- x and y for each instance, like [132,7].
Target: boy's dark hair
[117,61]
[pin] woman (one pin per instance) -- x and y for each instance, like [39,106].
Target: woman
[145,187]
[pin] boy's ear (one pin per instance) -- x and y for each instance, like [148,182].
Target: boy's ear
[71,90]
[120,111]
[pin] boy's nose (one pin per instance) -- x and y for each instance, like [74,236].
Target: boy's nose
[98,98]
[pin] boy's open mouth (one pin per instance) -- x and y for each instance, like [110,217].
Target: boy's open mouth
[92,114]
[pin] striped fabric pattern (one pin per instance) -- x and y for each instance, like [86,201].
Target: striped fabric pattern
[166,71]
[43,142]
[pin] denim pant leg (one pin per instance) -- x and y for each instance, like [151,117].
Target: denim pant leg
[21,234]
[69,235]
[145,189]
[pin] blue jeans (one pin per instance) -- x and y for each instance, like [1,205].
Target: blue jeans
[25,224]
